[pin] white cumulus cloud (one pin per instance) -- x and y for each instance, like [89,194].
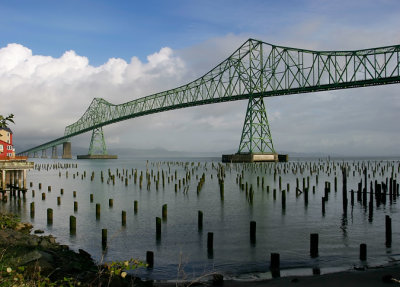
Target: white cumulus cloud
[46,94]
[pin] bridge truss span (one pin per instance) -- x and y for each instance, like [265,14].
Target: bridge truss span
[255,70]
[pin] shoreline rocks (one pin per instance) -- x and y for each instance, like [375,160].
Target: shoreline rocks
[44,255]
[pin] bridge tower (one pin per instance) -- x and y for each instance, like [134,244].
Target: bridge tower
[256,141]
[97,148]
[256,135]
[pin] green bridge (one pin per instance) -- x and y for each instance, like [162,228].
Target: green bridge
[254,71]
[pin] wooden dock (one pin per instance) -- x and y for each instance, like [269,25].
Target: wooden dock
[13,175]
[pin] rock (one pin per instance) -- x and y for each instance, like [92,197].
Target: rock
[83,253]
[28,257]
[44,243]
[52,239]
[38,231]
[23,227]
[33,241]
[218,280]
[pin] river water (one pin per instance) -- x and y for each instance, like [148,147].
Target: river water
[181,251]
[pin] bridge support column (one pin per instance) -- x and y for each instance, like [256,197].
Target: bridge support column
[97,148]
[256,141]
[44,153]
[54,152]
[35,155]
[256,135]
[67,150]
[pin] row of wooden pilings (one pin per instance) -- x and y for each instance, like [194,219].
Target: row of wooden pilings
[210,235]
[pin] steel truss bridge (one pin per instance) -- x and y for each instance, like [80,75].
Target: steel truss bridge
[254,71]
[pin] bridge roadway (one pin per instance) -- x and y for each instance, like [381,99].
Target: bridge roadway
[255,70]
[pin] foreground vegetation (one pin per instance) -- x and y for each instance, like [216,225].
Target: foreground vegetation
[31,260]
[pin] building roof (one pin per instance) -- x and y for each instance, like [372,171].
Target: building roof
[6,129]
[3,142]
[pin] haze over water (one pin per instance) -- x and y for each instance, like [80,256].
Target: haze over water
[283,229]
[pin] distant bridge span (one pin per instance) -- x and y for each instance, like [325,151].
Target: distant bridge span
[254,71]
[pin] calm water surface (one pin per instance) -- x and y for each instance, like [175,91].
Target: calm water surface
[181,252]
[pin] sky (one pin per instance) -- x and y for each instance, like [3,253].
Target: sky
[56,56]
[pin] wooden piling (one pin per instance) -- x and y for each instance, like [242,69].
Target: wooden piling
[58,200]
[135,206]
[110,202]
[150,259]
[75,206]
[158,227]
[97,210]
[275,265]
[363,251]
[104,238]
[253,228]
[314,245]
[72,225]
[32,209]
[49,216]
[164,211]
[200,220]
[91,197]
[123,217]
[210,241]
[388,230]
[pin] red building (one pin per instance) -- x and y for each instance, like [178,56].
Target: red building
[7,150]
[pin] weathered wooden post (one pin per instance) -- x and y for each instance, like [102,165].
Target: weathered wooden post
[314,245]
[253,226]
[388,229]
[104,238]
[210,242]
[150,259]
[123,217]
[49,216]
[97,211]
[158,227]
[91,197]
[32,209]
[164,212]
[200,220]
[363,251]
[72,225]
[275,265]
[110,202]
[75,206]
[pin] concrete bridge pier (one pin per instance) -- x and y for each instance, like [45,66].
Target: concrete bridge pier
[54,152]
[67,150]
[44,153]
[35,155]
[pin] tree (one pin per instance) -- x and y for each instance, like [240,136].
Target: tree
[4,121]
